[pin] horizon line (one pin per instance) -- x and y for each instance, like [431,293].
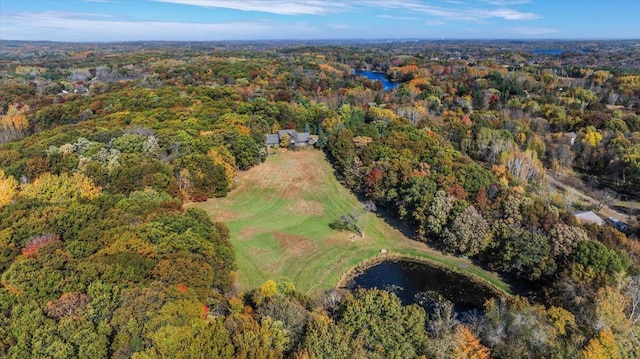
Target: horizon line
[331,40]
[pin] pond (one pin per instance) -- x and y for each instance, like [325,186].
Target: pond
[387,84]
[409,278]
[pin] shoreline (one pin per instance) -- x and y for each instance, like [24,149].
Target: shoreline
[359,268]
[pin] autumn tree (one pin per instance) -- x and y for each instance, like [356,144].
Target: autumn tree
[68,305]
[222,157]
[61,188]
[14,124]
[469,233]
[8,189]
[564,239]
[469,346]
[603,346]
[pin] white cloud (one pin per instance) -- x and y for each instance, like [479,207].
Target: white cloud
[73,27]
[454,10]
[280,7]
[464,12]
[508,14]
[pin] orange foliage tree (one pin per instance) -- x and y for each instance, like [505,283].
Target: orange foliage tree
[469,346]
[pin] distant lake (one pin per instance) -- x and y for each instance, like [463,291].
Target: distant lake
[548,52]
[387,84]
[408,278]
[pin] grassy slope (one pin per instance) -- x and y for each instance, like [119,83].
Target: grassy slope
[279,217]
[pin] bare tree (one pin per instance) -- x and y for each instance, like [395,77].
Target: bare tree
[632,292]
[604,198]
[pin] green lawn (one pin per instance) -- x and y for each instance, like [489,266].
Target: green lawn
[279,216]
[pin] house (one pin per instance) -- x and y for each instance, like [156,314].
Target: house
[296,139]
[588,217]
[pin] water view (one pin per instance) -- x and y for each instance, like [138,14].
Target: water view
[387,84]
[408,278]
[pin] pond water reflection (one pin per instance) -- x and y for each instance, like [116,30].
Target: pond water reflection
[409,278]
[387,84]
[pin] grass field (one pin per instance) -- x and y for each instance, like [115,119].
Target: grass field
[279,216]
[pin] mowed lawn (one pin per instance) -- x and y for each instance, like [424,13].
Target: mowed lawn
[279,216]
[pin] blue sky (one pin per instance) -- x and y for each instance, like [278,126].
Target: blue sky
[202,20]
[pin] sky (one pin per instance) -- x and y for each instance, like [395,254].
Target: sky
[213,20]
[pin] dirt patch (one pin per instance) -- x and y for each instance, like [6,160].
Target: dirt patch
[288,173]
[294,245]
[249,232]
[223,215]
[307,208]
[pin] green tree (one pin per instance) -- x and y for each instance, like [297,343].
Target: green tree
[386,326]
[598,257]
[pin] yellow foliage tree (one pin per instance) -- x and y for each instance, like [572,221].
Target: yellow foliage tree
[86,188]
[266,290]
[592,137]
[602,346]
[8,189]
[610,312]
[560,318]
[284,140]
[61,188]
[222,156]
[469,346]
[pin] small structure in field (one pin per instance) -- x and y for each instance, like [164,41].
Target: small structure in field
[588,217]
[617,224]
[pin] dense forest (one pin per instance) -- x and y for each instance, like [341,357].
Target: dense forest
[101,147]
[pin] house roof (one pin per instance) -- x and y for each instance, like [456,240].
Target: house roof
[302,137]
[295,136]
[273,140]
[292,133]
[588,217]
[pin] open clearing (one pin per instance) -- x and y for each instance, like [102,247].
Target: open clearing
[279,216]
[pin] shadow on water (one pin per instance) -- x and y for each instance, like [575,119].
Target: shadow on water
[411,280]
